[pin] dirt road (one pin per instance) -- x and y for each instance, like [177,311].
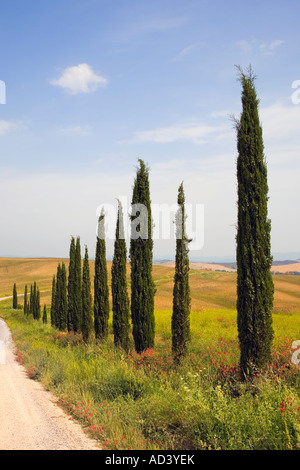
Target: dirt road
[29,417]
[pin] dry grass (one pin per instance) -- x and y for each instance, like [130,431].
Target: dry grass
[209,290]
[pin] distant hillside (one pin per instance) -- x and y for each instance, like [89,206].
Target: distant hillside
[278,267]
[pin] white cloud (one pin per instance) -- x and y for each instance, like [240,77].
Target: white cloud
[280,122]
[6,126]
[195,133]
[269,48]
[245,46]
[78,130]
[186,51]
[266,48]
[80,79]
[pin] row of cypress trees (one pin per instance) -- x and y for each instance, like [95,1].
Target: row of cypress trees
[255,288]
[33,305]
[71,302]
[71,306]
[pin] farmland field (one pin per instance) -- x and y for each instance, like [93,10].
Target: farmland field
[134,401]
[209,289]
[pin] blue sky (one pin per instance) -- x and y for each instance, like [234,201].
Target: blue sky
[93,85]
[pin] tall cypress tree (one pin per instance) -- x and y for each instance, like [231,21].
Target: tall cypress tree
[26,308]
[141,248]
[255,287]
[180,324]
[45,314]
[57,296]
[101,291]
[86,325]
[61,305]
[77,317]
[71,285]
[31,300]
[15,297]
[63,311]
[37,305]
[53,300]
[34,298]
[120,299]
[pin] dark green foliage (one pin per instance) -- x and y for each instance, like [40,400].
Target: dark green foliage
[61,307]
[77,308]
[26,306]
[64,302]
[31,300]
[254,280]
[34,303]
[86,325]
[120,299]
[15,297]
[37,306]
[101,291]
[45,314]
[141,247]
[181,292]
[34,300]
[53,300]
[57,295]
[71,286]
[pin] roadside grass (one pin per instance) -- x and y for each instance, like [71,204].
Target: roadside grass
[141,401]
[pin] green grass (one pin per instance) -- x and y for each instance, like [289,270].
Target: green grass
[143,402]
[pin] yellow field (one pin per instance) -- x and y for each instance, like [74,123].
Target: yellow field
[209,289]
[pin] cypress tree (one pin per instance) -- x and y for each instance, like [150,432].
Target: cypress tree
[180,324]
[141,248]
[53,299]
[101,291]
[34,298]
[15,297]
[86,325]
[31,300]
[120,299]
[61,305]
[45,314]
[57,296]
[37,305]
[26,308]
[71,285]
[254,280]
[77,312]
[63,309]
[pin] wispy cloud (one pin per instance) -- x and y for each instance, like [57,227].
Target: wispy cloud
[191,132]
[6,126]
[269,48]
[265,48]
[80,79]
[77,130]
[280,122]
[245,46]
[186,51]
